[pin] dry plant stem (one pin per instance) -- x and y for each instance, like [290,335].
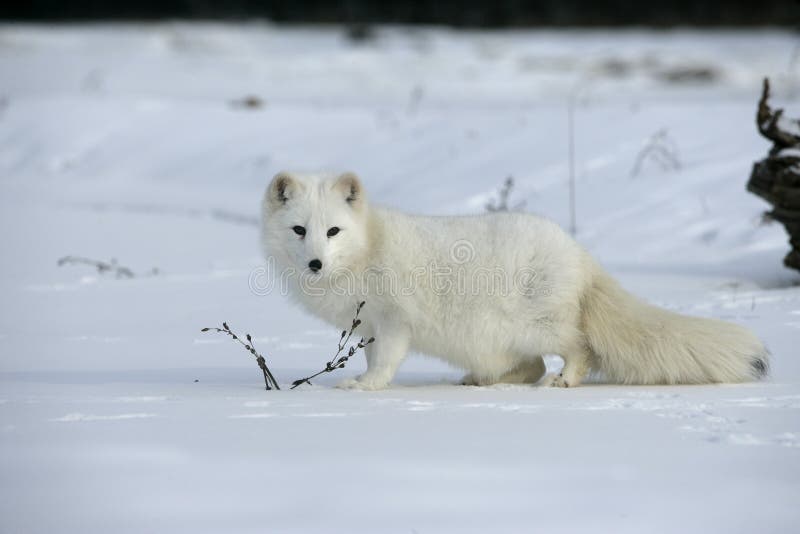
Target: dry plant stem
[504,196]
[661,149]
[768,121]
[573,228]
[338,361]
[269,379]
[262,363]
[101,266]
[502,202]
[104,267]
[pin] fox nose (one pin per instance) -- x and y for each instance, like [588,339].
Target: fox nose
[315,265]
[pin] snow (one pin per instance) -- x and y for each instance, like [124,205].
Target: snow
[789,153]
[118,414]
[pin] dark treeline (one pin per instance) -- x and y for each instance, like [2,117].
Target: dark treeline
[465,13]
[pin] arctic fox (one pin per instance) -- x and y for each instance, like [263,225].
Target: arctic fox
[490,294]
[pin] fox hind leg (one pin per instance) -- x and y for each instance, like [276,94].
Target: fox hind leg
[577,365]
[528,371]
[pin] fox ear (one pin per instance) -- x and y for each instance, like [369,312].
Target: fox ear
[350,188]
[281,189]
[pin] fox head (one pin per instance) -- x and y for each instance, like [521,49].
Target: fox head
[315,224]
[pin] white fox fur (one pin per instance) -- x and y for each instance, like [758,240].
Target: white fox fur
[508,288]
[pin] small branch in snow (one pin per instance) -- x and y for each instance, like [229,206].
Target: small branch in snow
[103,267]
[503,196]
[269,379]
[251,102]
[661,149]
[414,99]
[773,125]
[338,361]
[572,104]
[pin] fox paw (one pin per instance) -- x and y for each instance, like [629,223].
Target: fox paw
[472,380]
[362,383]
[469,380]
[555,381]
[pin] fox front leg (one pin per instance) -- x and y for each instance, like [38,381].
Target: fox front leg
[384,356]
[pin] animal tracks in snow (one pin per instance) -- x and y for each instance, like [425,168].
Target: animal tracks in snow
[80,417]
[722,418]
[705,419]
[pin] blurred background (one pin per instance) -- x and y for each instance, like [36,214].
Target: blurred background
[464,13]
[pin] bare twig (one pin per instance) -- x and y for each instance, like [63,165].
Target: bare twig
[573,228]
[772,125]
[103,266]
[661,149]
[581,85]
[247,102]
[269,379]
[338,361]
[503,196]
[414,99]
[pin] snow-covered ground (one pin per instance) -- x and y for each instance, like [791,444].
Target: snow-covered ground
[118,415]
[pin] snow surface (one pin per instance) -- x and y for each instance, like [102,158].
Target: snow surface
[118,415]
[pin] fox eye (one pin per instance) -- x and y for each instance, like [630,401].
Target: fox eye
[299,230]
[333,231]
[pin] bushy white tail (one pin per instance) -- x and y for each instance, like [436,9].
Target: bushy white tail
[635,343]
